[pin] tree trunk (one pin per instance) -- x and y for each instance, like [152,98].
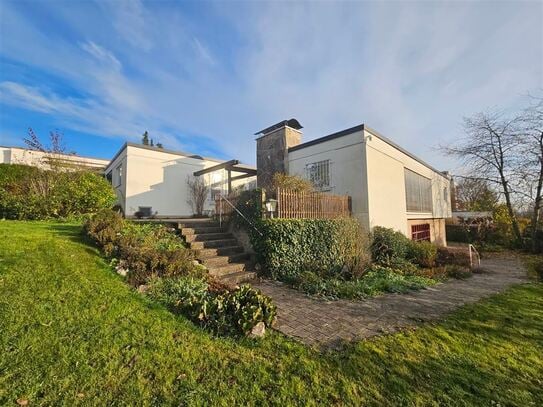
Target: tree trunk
[514,223]
[538,198]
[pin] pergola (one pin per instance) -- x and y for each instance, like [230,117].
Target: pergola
[229,166]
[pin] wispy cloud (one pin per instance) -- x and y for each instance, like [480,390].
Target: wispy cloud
[205,79]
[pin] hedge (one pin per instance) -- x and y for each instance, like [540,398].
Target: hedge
[32,193]
[289,247]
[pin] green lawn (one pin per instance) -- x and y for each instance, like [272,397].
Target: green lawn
[71,332]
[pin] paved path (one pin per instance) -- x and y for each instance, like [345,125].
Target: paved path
[329,323]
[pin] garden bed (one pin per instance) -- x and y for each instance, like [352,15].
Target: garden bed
[154,259]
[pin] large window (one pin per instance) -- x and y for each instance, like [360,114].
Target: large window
[418,192]
[319,174]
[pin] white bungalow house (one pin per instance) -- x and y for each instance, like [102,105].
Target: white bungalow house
[388,185]
[153,180]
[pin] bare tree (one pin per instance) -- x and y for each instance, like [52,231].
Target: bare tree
[56,145]
[530,169]
[488,152]
[198,192]
[475,195]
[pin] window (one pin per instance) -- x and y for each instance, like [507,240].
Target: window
[420,232]
[418,192]
[109,177]
[118,175]
[319,174]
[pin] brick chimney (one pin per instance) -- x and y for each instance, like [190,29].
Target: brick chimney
[272,149]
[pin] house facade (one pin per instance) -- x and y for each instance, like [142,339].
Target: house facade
[154,180]
[388,186]
[24,156]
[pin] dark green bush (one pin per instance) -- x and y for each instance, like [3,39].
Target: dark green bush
[388,247]
[230,312]
[423,254]
[186,295]
[249,203]
[453,255]
[104,228]
[377,280]
[144,250]
[28,192]
[288,247]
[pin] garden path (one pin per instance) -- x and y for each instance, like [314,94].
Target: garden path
[330,323]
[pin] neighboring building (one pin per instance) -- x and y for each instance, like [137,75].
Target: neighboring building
[388,185]
[471,217]
[18,155]
[154,180]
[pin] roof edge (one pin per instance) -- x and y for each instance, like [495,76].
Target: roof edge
[163,150]
[364,127]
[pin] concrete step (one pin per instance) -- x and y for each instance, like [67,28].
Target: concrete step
[204,254]
[208,244]
[238,278]
[208,236]
[197,230]
[231,268]
[217,261]
[197,223]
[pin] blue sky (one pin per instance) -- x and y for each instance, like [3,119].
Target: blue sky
[204,76]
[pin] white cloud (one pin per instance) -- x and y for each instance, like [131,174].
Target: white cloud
[102,55]
[409,70]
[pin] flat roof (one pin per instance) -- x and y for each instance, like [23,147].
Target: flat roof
[362,127]
[66,154]
[173,152]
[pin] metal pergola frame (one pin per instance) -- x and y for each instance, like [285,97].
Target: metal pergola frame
[230,166]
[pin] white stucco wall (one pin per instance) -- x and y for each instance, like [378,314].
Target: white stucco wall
[347,168]
[17,155]
[158,179]
[386,186]
[371,171]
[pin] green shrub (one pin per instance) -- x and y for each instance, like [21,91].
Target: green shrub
[28,192]
[144,250]
[453,255]
[534,264]
[249,203]
[231,312]
[291,182]
[423,253]
[104,228]
[186,295]
[377,280]
[240,310]
[288,247]
[388,247]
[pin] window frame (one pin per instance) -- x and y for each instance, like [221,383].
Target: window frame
[425,200]
[326,175]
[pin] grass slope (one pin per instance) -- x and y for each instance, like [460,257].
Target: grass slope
[72,333]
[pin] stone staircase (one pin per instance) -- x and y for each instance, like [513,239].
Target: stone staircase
[218,250]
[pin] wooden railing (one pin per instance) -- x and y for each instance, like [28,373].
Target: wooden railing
[311,205]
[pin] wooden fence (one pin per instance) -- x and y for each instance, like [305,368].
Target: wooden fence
[312,205]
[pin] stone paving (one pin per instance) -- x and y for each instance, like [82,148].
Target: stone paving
[331,323]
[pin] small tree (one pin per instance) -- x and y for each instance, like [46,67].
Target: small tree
[475,195]
[291,182]
[145,138]
[198,192]
[159,145]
